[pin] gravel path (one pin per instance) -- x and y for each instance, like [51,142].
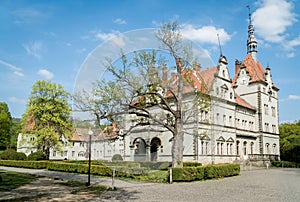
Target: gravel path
[256,185]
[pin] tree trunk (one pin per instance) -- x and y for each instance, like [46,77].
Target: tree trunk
[177,147]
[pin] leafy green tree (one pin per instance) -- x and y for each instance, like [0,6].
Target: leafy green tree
[290,142]
[47,116]
[5,125]
[14,132]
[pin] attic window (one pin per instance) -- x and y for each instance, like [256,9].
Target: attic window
[223,72]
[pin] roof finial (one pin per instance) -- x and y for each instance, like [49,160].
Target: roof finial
[249,13]
[219,45]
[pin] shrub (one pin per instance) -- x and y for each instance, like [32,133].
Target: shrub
[207,172]
[37,156]
[286,164]
[191,164]
[221,170]
[117,157]
[187,173]
[156,165]
[24,164]
[11,154]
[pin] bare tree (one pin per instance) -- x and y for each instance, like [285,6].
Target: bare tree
[139,91]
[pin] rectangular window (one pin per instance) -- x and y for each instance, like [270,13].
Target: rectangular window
[274,128]
[230,120]
[266,127]
[221,149]
[73,153]
[224,120]
[206,116]
[206,148]
[266,109]
[273,112]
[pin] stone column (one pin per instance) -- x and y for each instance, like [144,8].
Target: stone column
[148,152]
[131,152]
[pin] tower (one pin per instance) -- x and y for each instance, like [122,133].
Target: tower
[254,84]
[251,41]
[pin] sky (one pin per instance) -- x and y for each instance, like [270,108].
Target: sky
[51,40]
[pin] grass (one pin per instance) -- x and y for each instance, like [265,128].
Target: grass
[13,180]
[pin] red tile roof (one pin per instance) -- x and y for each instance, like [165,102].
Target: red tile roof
[243,103]
[81,134]
[255,70]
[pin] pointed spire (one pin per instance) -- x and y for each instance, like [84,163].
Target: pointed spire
[251,41]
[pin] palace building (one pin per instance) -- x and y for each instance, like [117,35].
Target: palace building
[240,124]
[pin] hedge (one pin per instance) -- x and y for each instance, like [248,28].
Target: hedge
[24,164]
[191,164]
[11,154]
[156,165]
[206,172]
[187,174]
[221,170]
[286,164]
[121,171]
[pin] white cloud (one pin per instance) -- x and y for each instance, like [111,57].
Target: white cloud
[17,71]
[16,100]
[34,48]
[292,43]
[272,19]
[46,74]
[293,97]
[120,21]
[205,34]
[106,36]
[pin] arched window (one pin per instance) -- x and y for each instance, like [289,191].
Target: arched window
[237,147]
[251,147]
[245,148]
[267,148]
[274,149]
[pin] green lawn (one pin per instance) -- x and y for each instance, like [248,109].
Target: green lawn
[13,180]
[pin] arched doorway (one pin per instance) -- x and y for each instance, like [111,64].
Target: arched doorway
[155,144]
[139,149]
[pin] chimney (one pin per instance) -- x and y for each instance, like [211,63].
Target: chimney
[237,66]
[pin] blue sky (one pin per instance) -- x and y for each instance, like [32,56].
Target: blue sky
[51,39]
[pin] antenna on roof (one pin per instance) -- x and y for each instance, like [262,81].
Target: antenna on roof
[219,45]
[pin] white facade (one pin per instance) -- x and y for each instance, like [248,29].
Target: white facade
[240,123]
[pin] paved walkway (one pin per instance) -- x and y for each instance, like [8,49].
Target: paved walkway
[76,177]
[256,185]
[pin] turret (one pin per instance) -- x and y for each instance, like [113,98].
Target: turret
[251,41]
